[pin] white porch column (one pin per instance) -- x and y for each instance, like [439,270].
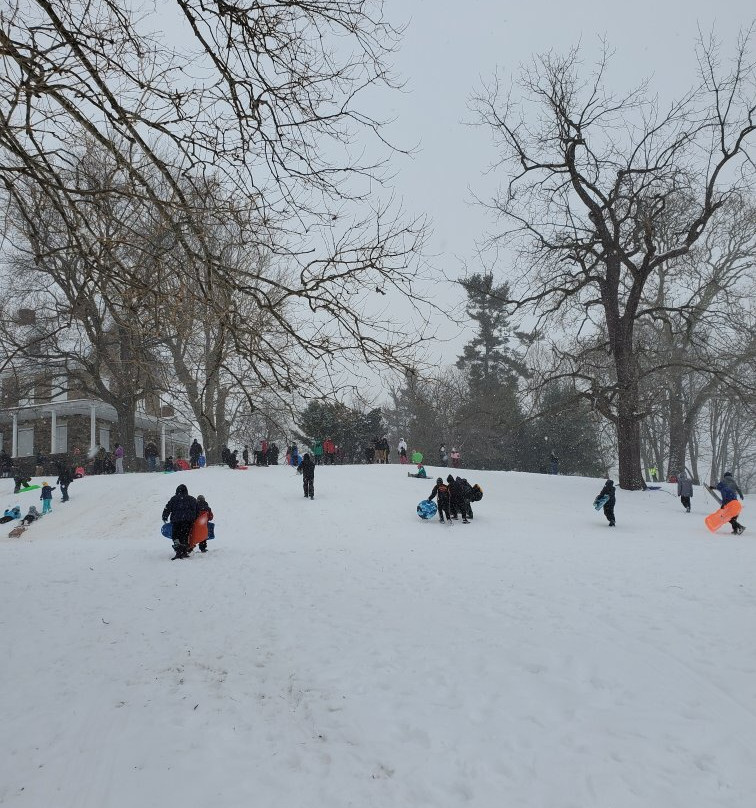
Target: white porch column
[92,429]
[53,432]
[14,448]
[162,442]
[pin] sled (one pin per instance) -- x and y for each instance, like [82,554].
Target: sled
[28,488]
[201,461]
[167,531]
[242,468]
[181,464]
[199,531]
[721,517]
[599,502]
[17,531]
[427,509]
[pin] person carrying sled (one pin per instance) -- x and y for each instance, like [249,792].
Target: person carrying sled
[421,473]
[46,497]
[730,491]
[307,467]
[442,490]
[684,490]
[608,491]
[21,481]
[182,511]
[199,532]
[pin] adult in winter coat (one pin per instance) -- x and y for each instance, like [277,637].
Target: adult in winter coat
[455,458]
[182,511]
[684,490]
[443,457]
[417,457]
[199,531]
[151,455]
[465,490]
[442,489]
[730,490]
[118,454]
[455,497]
[65,478]
[317,452]
[608,491]
[195,450]
[402,450]
[307,467]
[553,464]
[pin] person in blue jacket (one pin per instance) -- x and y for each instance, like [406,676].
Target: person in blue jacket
[730,491]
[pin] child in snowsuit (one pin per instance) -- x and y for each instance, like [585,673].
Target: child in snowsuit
[684,490]
[455,497]
[442,489]
[31,516]
[730,490]
[608,491]
[308,476]
[465,490]
[200,531]
[46,497]
[182,510]
[421,474]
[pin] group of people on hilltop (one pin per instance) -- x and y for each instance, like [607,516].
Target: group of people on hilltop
[378,451]
[324,452]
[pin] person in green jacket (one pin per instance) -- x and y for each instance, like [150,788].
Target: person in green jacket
[417,457]
[317,452]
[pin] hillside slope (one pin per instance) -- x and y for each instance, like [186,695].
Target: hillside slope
[341,652]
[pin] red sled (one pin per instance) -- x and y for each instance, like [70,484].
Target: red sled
[721,517]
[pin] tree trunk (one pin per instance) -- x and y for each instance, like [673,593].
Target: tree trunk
[126,411]
[628,417]
[678,433]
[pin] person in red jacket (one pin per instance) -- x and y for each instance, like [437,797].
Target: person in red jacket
[199,528]
[329,450]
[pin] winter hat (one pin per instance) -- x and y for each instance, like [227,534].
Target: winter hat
[450,479]
[44,483]
[200,497]
[182,489]
[439,481]
[610,482]
[726,474]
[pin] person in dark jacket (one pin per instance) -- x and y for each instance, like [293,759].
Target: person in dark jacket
[46,497]
[151,454]
[307,467]
[465,490]
[195,450]
[608,491]
[65,478]
[730,491]
[182,510]
[455,497]
[684,490]
[442,489]
[21,481]
[553,464]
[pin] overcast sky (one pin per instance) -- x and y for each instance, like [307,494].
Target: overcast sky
[449,48]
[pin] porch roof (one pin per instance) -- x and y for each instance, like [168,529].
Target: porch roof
[83,406]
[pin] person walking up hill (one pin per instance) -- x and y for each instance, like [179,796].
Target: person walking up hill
[182,510]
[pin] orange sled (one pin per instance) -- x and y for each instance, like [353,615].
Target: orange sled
[721,517]
[199,530]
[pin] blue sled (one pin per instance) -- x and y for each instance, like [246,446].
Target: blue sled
[427,509]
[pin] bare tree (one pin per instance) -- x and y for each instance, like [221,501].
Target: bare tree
[593,176]
[262,103]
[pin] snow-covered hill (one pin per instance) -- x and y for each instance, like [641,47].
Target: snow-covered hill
[341,652]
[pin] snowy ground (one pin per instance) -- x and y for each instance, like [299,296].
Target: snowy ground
[341,652]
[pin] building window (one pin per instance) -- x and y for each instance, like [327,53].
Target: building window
[139,445]
[26,442]
[105,438]
[61,438]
